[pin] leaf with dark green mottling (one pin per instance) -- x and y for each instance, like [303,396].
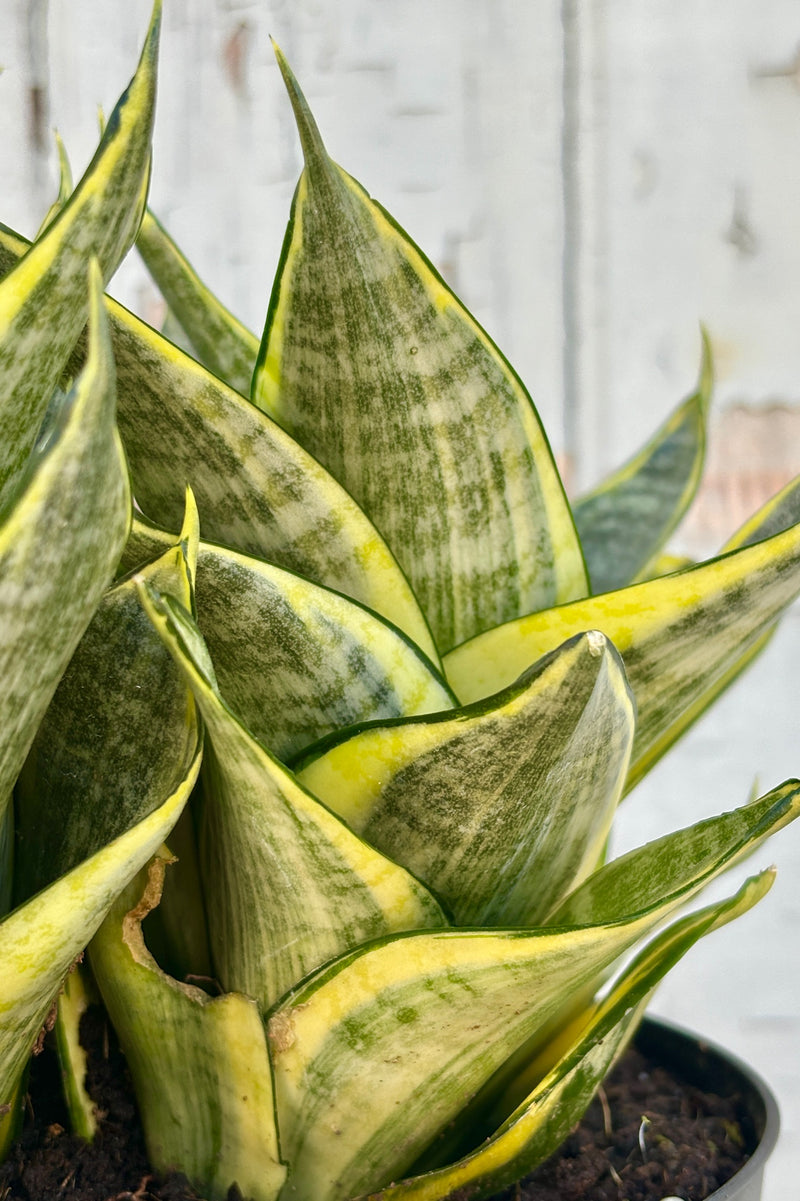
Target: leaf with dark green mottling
[501,807]
[624,523]
[287,885]
[371,362]
[59,544]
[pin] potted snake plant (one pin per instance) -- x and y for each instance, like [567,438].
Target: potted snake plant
[319,689]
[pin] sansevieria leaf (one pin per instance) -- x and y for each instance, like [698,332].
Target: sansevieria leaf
[121,724]
[372,363]
[41,939]
[200,1064]
[288,886]
[221,342]
[295,660]
[256,488]
[418,1023]
[544,1119]
[500,807]
[43,299]
[59,544]
[624,523]
[678,635]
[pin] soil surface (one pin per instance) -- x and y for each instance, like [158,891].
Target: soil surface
[649,1136]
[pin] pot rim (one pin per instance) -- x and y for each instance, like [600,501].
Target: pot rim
[711,1057]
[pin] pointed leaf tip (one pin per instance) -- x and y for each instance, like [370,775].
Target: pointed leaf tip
[310,137]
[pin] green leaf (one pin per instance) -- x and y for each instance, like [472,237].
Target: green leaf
[474,802]
[222,343]
[73,1002]
[200,1065]
[547,1115]
[295,660]
[657,872]
[288,886]
[65,185]
[256,488]
[43,299]
[624,523]
[59,544]
[679,636]
[121,724]
[417,1023]
[371,362]
[40,940]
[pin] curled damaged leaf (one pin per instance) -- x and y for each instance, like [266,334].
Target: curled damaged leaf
[200,1064]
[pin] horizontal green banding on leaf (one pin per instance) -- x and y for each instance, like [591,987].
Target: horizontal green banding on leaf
[121,725]
[372,363]
[294,660]
[626,520]
[222,343]
[501,807]
[287,885]
[200,1065]
[43,297]
[59,544]
[40,940]
[678,635]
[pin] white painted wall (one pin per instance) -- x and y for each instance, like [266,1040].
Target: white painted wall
[594,177]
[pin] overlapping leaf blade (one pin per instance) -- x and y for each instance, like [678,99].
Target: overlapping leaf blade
[221,342]
[288,886]
[372,364]
[59,544]
[41,939]
[544,1119]
[679,636]
[43,299]
[624,523]
[295,660]
[501,807]
[121,725]
[256,488]
[200,1065]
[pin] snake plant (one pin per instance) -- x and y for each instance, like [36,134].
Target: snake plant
[315,749]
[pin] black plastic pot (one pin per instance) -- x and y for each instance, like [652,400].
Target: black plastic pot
[716,1070]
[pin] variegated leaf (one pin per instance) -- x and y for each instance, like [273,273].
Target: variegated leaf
[59,544]
[372,363]
[43,298]
[221,342]
[200,1065]
[41,939]
[74,1000]
[256,488]
[680,636]
[287,885]
[65,186]
[501,807]
[294,660]
[627,519]
[121,727]
[547,1115]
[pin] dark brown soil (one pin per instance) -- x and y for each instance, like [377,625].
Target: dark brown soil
[647,1136]
[692,1141]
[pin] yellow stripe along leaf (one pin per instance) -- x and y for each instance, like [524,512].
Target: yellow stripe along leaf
[372,363]
[678,635]
[43,298]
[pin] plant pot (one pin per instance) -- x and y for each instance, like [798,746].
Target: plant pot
[708,1066]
